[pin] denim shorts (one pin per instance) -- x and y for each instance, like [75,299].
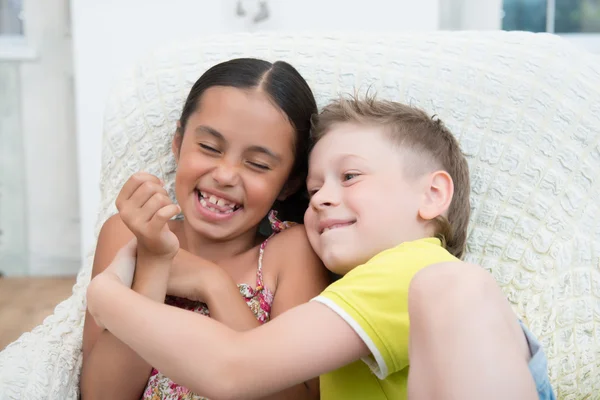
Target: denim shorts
[538,365]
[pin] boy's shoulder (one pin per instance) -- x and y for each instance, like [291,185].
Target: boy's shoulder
[418,253]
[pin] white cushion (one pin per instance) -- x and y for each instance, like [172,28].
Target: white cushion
[526,109]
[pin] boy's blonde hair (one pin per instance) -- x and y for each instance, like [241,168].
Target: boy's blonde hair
[412,129]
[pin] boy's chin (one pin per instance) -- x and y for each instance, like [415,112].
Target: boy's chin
[340,265]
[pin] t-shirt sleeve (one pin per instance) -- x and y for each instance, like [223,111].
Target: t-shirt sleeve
[373,300]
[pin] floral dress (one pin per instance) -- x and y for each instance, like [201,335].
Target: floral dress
[259,299]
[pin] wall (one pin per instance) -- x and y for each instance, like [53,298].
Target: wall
[13,222]
[48,128]
[328,15]
[470,14]
[40,213]
[110,34]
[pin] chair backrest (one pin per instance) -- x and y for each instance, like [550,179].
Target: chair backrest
[526,109]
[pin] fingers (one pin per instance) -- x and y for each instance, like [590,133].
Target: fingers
[144,192]
[145,208]
[132,185]
[141,197]
[152,206]
[162,216]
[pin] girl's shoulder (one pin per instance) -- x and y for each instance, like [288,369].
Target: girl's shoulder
[293,239]
[289,250]
[299,273]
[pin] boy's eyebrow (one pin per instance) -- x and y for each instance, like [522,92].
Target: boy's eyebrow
[351,156]
[219,136]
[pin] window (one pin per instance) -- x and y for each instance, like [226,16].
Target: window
[555,16]
[11,22]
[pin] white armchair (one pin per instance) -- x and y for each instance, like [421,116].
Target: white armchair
[526,109]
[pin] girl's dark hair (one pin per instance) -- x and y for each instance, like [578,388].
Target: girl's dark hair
[290,92]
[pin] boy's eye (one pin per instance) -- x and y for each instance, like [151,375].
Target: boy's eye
[348,176]
[209,148]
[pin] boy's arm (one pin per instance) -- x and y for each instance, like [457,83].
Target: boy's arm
[300,277]
[301,344]
[197,279]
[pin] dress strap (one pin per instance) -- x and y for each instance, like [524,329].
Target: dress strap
[277,226]
[259,275]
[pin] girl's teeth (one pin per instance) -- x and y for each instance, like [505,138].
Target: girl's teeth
[207,204]
[207,199]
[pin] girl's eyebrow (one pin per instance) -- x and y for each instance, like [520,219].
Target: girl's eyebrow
[219,136]
[211,131]
[265,151]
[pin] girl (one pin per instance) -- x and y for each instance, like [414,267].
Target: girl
[241,148]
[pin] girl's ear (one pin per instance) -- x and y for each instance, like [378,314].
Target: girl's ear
[177,140]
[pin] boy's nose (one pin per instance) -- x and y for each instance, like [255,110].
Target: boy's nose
[326,197]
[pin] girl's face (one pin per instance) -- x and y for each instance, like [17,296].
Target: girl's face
[234,160]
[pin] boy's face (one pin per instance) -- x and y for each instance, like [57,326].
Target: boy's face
[362,201]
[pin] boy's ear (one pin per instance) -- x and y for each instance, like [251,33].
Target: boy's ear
[177,140]
[438,194]
[291,186]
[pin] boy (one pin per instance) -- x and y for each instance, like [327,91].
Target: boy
[389,210]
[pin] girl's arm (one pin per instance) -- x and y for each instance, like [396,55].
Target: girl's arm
[110,368]
[300,344]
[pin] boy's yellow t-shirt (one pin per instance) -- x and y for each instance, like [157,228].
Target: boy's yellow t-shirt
[373,300]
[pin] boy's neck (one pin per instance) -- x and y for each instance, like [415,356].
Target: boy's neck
[214,250]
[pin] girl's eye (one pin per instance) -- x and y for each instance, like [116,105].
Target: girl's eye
[260,166]
[348,176]
[209,148]
[312,192]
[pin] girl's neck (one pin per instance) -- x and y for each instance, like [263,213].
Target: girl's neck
[215,250]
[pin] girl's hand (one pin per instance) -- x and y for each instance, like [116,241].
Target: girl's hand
[145,207]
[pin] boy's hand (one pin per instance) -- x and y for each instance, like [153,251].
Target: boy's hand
[145,207]
[121,269]
[123,265]
[192,277]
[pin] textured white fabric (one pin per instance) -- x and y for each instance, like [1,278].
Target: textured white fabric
[526,109]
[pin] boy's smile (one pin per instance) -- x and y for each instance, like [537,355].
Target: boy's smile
[330,224]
